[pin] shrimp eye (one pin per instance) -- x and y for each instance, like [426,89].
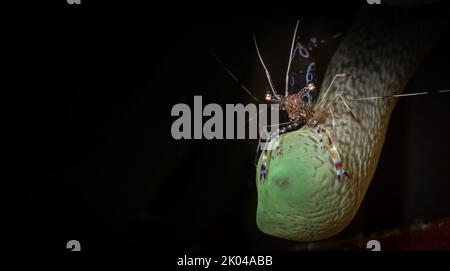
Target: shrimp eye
[268,96]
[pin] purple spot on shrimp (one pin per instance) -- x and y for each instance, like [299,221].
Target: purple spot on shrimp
[304,52]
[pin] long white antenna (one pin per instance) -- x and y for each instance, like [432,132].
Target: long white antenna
[399,95]
[234,77]
[267,71]
[290,57]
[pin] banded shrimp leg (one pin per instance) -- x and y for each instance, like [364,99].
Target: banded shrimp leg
[269,145]
[334,153]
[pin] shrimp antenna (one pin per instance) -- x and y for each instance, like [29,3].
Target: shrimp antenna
[290,56]
[267,71]
[400,95]
[234,77]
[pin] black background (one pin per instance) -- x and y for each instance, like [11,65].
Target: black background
[93,87]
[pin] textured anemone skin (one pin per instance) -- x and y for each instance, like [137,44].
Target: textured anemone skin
[301,198]
[298,199]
